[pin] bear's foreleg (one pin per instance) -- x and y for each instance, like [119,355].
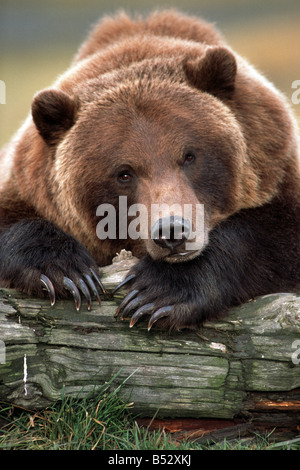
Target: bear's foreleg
[239,263]
[35,256]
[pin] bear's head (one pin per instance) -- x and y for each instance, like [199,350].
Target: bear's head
[150,157]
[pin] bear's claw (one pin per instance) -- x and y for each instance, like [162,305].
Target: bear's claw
[146,309]
[85,287]
[125,301]
[92,286]
[71,287]
[131,306]
[123,283]
[50,288]
[132,301]
[97,279]
[143,310]
[161,312]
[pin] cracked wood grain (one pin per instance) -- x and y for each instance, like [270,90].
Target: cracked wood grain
[242,364]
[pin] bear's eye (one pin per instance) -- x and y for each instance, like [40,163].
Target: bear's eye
[124,176]
[189,158]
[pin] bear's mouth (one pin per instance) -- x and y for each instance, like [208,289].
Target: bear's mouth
[181,257]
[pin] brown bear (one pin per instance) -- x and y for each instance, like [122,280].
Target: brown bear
[155,112]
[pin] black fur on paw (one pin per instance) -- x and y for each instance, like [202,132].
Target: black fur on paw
[160,293]
[37,257]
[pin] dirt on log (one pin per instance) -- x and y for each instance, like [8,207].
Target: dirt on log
[246,366]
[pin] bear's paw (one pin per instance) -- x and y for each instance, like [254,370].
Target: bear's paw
[36,256]
[159,294]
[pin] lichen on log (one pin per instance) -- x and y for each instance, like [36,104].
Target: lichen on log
[246,363]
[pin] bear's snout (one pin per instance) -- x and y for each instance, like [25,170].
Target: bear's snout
[170,236]
[170,232]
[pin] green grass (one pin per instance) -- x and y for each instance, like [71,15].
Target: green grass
[99,421]
[102,422]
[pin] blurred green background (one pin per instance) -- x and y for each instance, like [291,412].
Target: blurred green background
[38,39]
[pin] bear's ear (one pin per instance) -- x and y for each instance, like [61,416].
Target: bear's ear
[214,73]
[53,113]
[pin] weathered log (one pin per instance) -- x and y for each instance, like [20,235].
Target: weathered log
[246,364]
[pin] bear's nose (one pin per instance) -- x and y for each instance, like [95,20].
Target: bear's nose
[170,232]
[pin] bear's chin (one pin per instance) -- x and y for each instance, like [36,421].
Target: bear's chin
[182,257]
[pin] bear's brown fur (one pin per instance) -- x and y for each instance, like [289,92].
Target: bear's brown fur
[161,111]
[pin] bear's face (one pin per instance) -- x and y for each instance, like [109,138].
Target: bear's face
[168,159]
